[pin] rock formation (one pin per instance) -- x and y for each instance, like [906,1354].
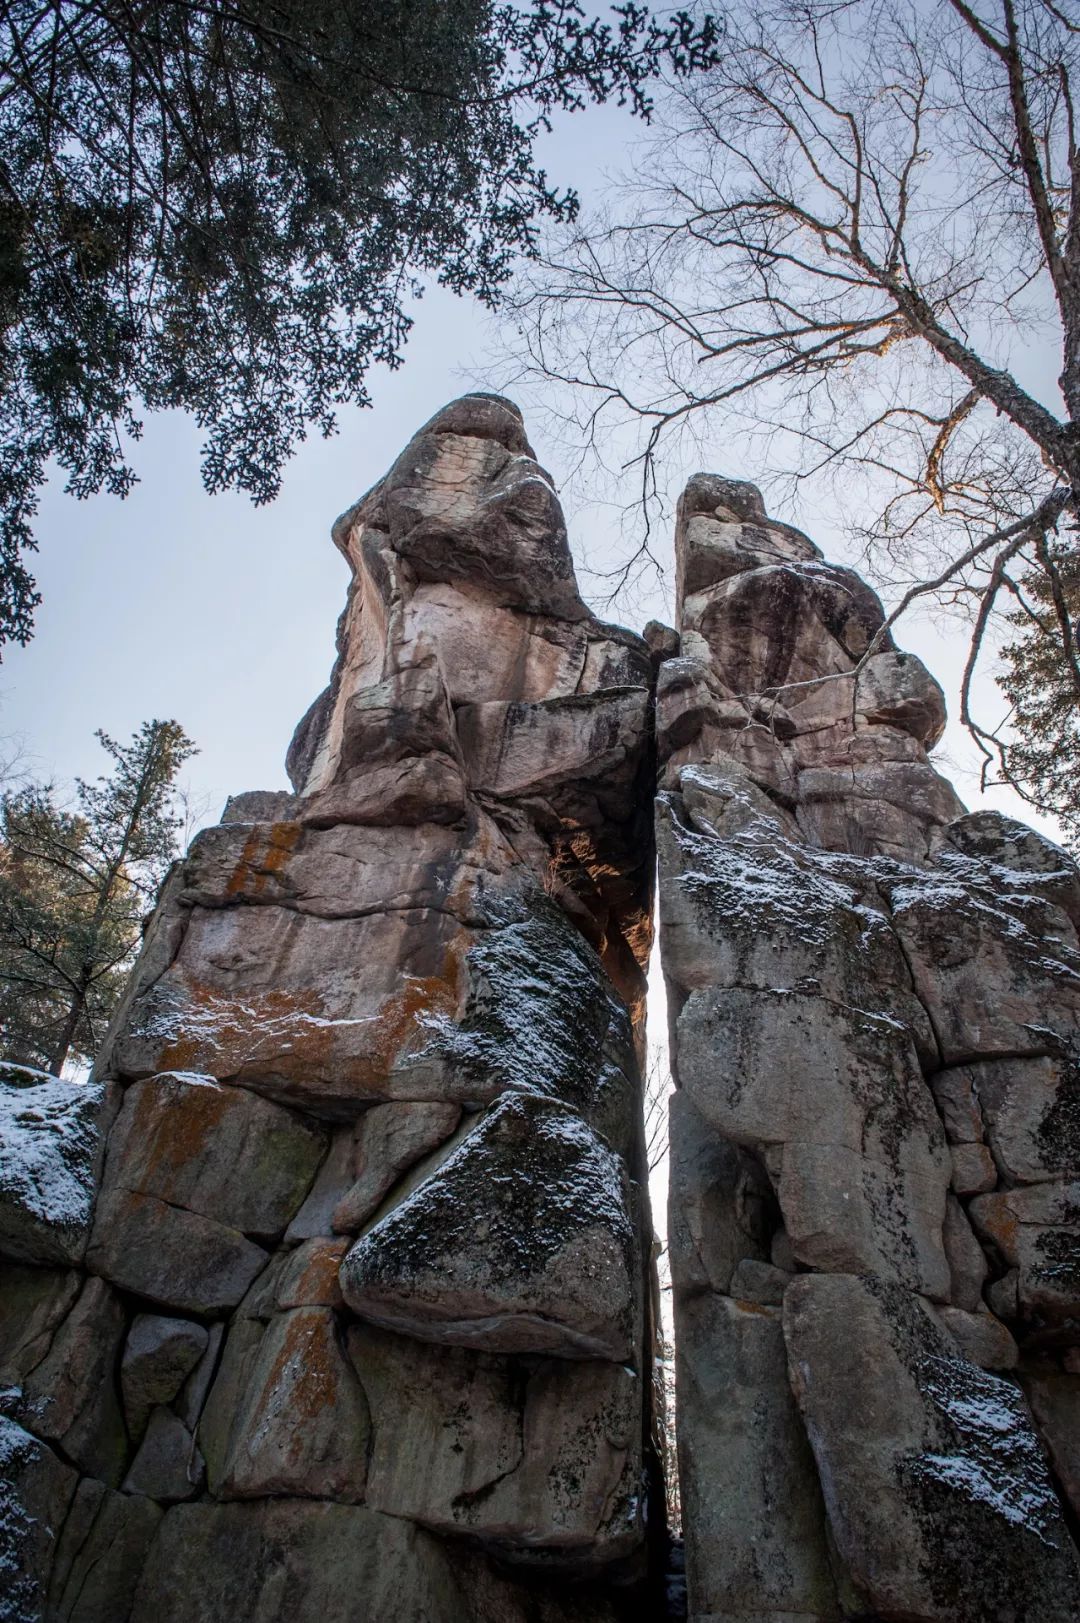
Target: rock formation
[362,1317]
[330,1296]
[875,1025]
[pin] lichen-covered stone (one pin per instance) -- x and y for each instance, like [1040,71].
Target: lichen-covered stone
[834,1097]
[217,1151]
[294,1416]
[875,1001]
[521,1241]
[994,972]
[935,1485]
[1031,1108]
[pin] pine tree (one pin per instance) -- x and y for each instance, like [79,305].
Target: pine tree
[75,885]
[229,210]
[1042,682]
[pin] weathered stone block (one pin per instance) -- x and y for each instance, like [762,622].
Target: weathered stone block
[293,1415]
[299,1561]
[533,1456]
[835,1096]
[159,1354]
[934,1481]
[35,1303]
[100,1555]
[521,1241]
[72,1397]
[36,1489]
[1037,1230]
[220,1152]
[752,1509]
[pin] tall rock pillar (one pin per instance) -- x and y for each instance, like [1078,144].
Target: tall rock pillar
[360,1327]
[875,1026]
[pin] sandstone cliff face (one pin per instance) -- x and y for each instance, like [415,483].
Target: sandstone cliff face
[363,1304]
[875,1007]
[330,1298]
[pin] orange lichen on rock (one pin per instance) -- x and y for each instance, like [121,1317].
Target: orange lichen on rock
[265,856]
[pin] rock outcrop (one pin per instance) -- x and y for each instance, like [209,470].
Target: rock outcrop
[875,1029]
[363,1314]
[331,1294]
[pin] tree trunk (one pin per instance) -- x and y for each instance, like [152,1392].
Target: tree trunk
[67,1034]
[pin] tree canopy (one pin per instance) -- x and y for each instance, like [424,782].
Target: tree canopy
[841,252]
[75,885]
[227,207]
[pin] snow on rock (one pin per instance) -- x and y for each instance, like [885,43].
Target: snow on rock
[50,1132]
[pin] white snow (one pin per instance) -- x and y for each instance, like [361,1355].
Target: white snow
[48,1141]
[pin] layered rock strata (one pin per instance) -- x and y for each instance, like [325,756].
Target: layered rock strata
[360,1324]
[875,1029]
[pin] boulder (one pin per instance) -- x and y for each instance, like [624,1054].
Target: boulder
[193,1169]
[307,1011]
[287,1415]
[720,1203]
[752,908]
[983,966]
[1032,1112]
[980,1337]
[36,1302]
[310,1275]
[897,690]
[1019,853]
[176,1258]
[967,1261]
[219,1152]
[386,1141]
[159,1354]
[168,1467]
[1054,1396]
[521,1241]
[301,1561]
[934,1481]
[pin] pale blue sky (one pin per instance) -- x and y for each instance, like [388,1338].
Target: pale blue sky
[222,615]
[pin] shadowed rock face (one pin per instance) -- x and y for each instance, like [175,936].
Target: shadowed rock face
[875,1020]
[368,1271]
[332,1290]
